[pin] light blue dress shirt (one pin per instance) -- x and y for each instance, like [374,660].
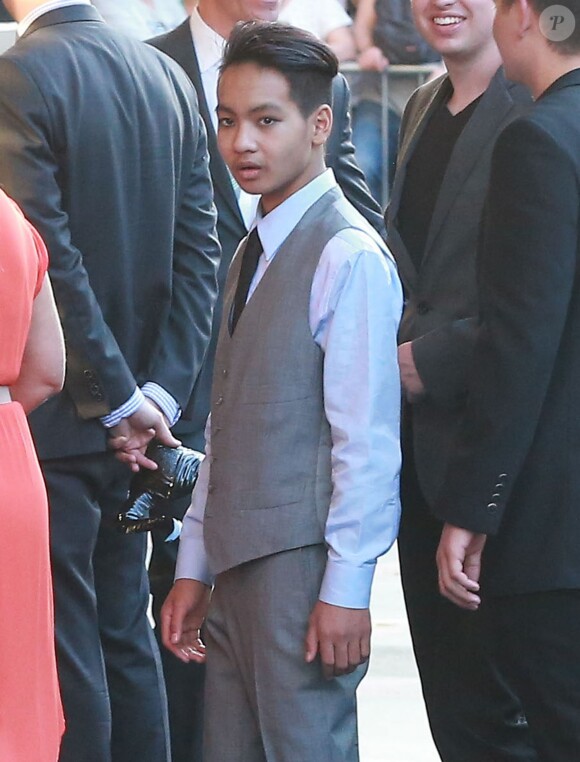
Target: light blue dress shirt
[355,309]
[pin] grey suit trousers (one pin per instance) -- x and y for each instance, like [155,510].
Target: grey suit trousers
[263,702]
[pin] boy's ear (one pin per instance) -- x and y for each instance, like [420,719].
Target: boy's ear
[524,16]
[322,121]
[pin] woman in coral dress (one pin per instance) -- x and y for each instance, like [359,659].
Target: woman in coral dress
[31,369]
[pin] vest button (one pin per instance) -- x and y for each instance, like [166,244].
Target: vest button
[225,373]
[210,488]
[219,400]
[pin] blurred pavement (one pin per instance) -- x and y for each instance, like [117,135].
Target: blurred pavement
[392,721]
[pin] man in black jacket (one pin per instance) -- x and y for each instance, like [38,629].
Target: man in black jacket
[197,46]
[103,147]
[511,498]
[448,131]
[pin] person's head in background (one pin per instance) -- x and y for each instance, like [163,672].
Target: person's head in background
[274,113]
[538,42]
[223,15]
[461,31]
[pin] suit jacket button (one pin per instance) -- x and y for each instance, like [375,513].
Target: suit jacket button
[423,308]
[492,507]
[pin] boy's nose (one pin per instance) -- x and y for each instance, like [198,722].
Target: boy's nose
[244,140]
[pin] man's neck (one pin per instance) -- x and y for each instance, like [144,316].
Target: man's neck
[546,72]
[22,8]
[471,77]
[216,18]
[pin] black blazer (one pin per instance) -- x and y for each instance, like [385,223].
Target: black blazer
[231,228]
[103,146]
[441,298]
[515,470]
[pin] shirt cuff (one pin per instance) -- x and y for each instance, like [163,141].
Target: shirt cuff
[164,401]
[128,408]
[347,586]
[193,563]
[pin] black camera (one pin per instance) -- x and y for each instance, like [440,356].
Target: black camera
[176,474]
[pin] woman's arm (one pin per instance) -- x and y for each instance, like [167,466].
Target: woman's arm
[42,371]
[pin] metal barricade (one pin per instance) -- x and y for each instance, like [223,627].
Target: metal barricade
[420,73]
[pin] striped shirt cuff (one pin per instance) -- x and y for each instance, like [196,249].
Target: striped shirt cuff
[164,401]
[128,408]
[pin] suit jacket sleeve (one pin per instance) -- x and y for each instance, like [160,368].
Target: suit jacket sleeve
[29,171]
[443,358]
[528,261]
[183,341]
[340,157]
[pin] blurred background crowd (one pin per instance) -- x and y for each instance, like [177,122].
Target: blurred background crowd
[367,36]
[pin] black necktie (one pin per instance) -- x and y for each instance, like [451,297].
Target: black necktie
[250,259]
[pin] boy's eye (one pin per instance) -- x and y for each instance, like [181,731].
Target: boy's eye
[267,120]
[225,121]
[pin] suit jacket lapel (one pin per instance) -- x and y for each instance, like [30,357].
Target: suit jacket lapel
[183,52]
[419,119]
[496,102]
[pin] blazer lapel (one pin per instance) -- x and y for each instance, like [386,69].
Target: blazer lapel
[183,52]
[496,102]
[419,119]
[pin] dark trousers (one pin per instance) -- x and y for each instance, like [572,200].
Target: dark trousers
[538,636]
[473,714]
[109,668]
[184,682]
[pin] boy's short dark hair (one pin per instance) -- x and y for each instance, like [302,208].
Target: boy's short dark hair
[308,65]
[571,45]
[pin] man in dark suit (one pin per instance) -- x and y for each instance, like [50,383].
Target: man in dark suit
[513,477]
[197,46]
[103,146]
[448,131]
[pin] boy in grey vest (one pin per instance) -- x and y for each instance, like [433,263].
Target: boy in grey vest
[298,495]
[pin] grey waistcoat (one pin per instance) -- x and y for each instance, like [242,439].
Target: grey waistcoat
[270,475]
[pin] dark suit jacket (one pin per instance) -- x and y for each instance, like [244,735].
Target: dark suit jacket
[441,298]
[231,229]
[515,466]
[103,147]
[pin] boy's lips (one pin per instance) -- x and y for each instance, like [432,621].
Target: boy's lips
[247,171]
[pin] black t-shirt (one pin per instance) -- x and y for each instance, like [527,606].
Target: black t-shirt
[424,175]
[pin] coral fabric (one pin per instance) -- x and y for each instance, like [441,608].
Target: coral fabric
[31,720]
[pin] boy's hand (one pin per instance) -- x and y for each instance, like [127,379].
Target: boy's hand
[182,615]
[341,636]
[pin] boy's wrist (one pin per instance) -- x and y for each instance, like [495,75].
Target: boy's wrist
[347,585]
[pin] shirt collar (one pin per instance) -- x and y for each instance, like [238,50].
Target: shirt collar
[276,226]
[209,45]
[45,8]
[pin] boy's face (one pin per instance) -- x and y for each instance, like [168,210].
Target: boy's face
[505,31]
[457,29]
[269,146]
